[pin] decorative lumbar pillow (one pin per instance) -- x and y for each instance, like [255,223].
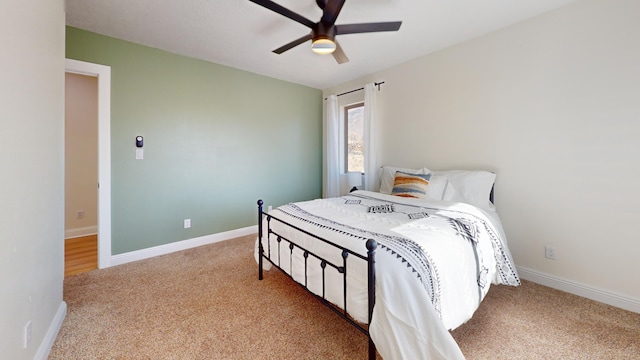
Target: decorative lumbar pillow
[410,185]
[388,173]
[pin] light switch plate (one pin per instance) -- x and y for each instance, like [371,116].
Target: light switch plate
[139,154]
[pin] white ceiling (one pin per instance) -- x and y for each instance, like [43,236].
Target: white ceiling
[241,34]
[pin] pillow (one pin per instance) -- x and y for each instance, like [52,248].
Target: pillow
[440,188]
[410,185]
[387,175]
[471,187]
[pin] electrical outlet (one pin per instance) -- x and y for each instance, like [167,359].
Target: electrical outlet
[550,252]
[187,223]
[80,214]
[27,334]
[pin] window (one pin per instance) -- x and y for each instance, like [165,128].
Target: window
[354,139]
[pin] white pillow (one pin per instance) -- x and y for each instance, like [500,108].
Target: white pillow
[440,188]
[388,173]
[471,187]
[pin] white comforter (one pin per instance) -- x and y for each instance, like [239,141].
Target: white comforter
[434,264]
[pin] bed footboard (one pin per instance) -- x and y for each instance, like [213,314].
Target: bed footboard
[274,259]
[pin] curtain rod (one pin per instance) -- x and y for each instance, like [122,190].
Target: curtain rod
[362,88]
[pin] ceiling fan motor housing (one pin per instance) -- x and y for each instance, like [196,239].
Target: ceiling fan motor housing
[324,31]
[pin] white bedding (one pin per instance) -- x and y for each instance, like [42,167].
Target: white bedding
[427,278]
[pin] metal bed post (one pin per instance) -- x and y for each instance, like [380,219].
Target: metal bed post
[371,290]
[260,250]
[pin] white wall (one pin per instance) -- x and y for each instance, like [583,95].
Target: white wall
[31,185]
[552,105]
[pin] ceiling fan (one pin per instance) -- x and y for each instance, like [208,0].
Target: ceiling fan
[323,33]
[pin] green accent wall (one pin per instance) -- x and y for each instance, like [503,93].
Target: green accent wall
[216,139]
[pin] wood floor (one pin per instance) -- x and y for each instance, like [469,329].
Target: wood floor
[80,254]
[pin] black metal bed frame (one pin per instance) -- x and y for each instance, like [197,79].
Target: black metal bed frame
[342,269]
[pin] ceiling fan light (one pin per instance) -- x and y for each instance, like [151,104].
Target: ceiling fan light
[323,46]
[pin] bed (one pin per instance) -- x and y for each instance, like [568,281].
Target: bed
[404,265]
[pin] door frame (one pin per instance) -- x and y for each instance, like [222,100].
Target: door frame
[103,73]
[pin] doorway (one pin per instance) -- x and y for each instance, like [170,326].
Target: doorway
[81,173]
[102,74]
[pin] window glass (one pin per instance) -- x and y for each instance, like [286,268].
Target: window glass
[354,115]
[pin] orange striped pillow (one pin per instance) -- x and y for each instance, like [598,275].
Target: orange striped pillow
[410,185]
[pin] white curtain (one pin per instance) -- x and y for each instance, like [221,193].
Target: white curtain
[332,176]
[370,137]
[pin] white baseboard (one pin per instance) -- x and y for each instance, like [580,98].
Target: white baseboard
[587,291]
[52,332]
[181,245]
[78,232]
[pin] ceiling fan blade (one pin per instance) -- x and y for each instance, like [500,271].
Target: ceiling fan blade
[292,44]
[285,12]
[367,27]
[339,54]
[331,11]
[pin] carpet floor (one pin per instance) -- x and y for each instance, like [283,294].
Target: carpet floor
[207,303]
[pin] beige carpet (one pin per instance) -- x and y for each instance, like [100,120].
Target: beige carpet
[207,303]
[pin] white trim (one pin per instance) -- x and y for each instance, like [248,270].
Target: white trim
[584,290]
[52,332]
[80,232]
[181,245]
[103,73]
